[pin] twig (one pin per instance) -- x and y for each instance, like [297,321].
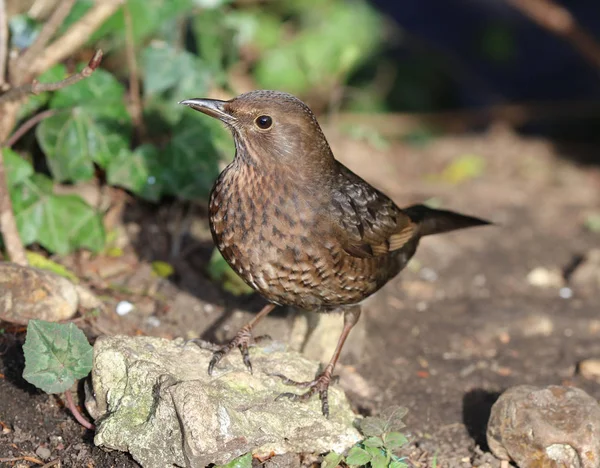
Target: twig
[8,224]
[561,22]
[3,42]
[134,78]
[14,459]
[54,462]
[36,87]
[80,419]
[28,125]
[47,32]
[74,37]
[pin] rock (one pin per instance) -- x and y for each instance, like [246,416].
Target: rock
[29,293]
[316,335]
[43,452]
[590,369]
[546,427]
[545,278]
[154,399]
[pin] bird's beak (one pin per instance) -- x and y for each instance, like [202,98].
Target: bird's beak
[213,107]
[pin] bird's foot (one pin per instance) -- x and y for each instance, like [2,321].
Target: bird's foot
[319,385]
[242,340]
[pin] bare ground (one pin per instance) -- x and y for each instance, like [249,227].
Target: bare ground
[461,324]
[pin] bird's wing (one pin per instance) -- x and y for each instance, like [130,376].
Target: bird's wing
[370,224]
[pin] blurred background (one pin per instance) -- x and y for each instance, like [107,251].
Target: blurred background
[489,107]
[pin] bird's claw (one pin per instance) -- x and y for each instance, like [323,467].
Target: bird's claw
[242,340]
[319,385]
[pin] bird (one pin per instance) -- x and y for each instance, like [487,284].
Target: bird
[301,228]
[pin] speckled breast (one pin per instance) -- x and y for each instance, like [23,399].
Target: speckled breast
[281,245]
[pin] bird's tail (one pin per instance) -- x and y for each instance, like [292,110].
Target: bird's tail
[431,221]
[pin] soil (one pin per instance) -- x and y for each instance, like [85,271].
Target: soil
[462,323]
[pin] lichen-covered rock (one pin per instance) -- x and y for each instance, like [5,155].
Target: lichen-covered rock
[546,427]
[154,399]
[29,293]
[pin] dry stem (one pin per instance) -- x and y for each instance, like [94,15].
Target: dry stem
[135,100]
[8,224]
[561,22]
[74,37]
[28,125]
[47,32]
[3,42]
[37,88]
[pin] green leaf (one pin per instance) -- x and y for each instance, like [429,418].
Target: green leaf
[358,456]
[373,451]
[395,440]
[162,269]
[465,167]
[73,140]
[138,171]
[219,270]
[17,168]
[331,460]
[372,426]
[245,461]
[189,163]
[592,222]
[398,464]
[60,223]
[37,260]
[373,442]
[56,355]
[379,461]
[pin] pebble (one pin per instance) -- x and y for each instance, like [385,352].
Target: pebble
[124,307]
[43,452]
[545,278]
[590,369]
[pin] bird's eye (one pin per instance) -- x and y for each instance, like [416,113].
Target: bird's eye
[264,122]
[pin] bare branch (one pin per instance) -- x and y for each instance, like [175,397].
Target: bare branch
[47,32]
[135,101]
[8,224]
[74,37]
[3,42]
[558,20]
[37,88]
[28,125]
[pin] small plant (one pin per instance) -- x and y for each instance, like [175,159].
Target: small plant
[377,450]
[57,355]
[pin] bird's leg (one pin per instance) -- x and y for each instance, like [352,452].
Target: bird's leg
[321,383]
[242,340]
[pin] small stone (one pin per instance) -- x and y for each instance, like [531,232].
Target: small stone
[43,452]
[123,308]
[545,278]
[565,293]
[551,426]
[590,369]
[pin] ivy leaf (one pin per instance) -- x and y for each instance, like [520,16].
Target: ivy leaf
[398,464]
[60,223]
[55,355]
[358,456]
[73,140]
[331,460]
[395,440]
[373,442]
[245,461]
[372,426]
[17,168]
[138,171]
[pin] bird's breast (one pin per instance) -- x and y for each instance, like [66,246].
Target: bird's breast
[281,242]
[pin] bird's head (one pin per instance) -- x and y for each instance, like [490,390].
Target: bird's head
[270,126]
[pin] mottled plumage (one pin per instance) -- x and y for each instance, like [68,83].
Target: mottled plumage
[300,227]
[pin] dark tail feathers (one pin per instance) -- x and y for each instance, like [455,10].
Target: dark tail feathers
[433,221]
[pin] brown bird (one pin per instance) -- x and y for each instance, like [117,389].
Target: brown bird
[300,227]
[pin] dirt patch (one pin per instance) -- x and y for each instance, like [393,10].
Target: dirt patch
[461,324]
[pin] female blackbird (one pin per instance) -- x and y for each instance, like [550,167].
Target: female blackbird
[300,227]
